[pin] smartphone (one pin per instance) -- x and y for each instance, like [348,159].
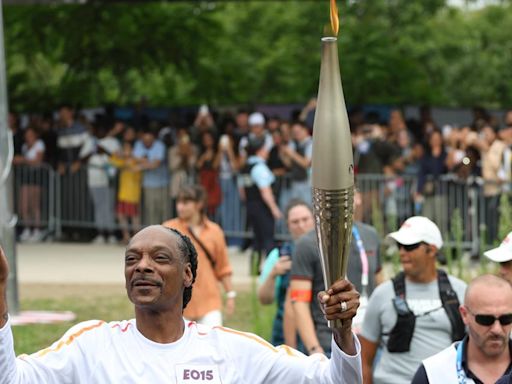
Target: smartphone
[224,141]
[285,250]
[204,110]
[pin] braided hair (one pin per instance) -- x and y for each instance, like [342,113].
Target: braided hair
[187,250]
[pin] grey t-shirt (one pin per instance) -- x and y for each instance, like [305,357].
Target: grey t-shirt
[306,265]
[432,332]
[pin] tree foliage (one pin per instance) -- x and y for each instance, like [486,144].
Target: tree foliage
[179,53]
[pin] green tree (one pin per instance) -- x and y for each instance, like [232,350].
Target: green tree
[180,53]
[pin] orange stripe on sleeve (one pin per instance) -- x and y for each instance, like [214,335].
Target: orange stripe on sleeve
[287,349]
[69,340]
[303,295]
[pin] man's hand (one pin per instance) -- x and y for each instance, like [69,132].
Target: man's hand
[283,265]
[75,167]
[276,212]
[342,291]
[4,272]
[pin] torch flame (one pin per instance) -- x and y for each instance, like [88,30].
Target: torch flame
[335,21]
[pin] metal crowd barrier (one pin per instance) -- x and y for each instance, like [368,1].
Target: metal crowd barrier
[35,197]
[65,204]
[449,201]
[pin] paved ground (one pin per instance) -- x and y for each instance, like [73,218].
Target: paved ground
[85,264]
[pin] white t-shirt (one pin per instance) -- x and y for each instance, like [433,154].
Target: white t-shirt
[98,165]
[116,352]
[432,330]
[32,152]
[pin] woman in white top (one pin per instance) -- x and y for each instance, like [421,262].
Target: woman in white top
[31,175]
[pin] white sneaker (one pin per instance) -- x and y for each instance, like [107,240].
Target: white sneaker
[98,240]
[112,239]
[26,234]
[36,237]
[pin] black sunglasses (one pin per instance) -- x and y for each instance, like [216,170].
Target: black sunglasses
[487,320]
[409,247]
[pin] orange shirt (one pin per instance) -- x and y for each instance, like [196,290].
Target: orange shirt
[206,295]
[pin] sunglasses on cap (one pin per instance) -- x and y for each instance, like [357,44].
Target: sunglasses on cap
[488,320]
[409,247]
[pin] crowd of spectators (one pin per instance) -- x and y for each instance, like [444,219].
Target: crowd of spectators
[125,165]
[437,159]
[136,172]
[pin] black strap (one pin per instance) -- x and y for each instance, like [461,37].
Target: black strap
[401,335]
[399,285]
[451,305]
[208,254]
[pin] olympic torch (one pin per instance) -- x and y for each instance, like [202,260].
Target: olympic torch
[332,166]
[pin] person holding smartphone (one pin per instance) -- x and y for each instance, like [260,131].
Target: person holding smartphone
[275,275]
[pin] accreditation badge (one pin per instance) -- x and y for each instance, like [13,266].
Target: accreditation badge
[195,374]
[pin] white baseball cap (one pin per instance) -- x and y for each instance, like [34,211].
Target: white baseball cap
[256,118]
[503,252]
[417,229]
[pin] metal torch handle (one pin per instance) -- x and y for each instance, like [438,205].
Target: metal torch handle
[333,211]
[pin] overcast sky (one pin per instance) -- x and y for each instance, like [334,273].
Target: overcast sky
[473,4]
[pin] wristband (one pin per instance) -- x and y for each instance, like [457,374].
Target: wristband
[231,294]
[304,295]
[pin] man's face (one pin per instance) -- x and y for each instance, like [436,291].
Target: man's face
[187,209]
[273,125]
[258,130]
[505,271]
[65,114]
[242,119]
[299,132]
[148,139]
[155,270]
[492,340]
[285,132]
[435,140]
[416,261]
[300,221]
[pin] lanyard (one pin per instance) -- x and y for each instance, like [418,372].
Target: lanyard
[363,255]
[461,375]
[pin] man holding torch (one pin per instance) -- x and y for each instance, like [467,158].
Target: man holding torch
[160,346]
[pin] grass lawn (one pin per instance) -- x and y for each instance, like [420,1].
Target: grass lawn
[98,303]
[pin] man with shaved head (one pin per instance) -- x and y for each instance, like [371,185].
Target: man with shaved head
[160,346]
[483,356]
